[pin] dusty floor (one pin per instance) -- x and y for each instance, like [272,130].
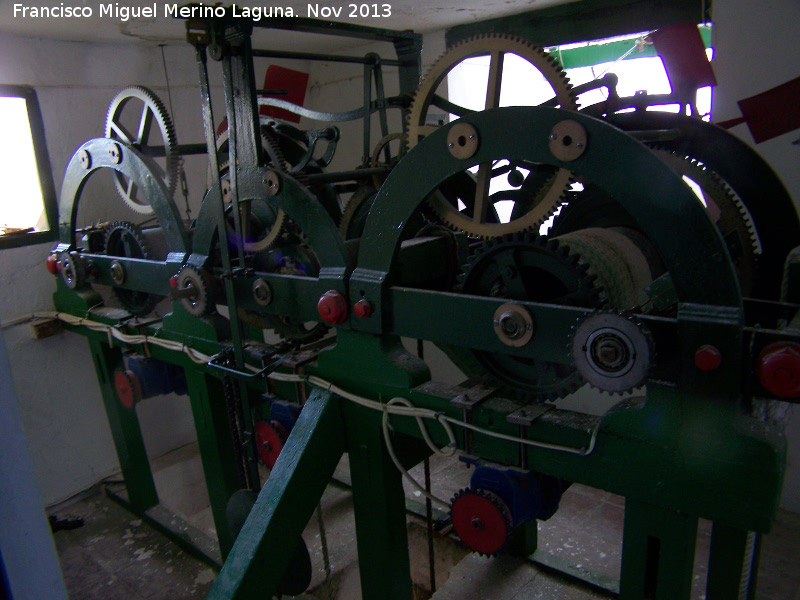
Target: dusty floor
[117,556]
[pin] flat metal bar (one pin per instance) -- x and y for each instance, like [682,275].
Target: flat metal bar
[286,502]
[347,175]
[319,56]
[364,32]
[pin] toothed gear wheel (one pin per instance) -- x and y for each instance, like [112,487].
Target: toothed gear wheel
[74,272]
[355,213]
[482,520]
[539,193]
[526,267]
[134,127]
[202,303]
[378,158]
[726,210]
[495,46]
[612,352]
[126,240]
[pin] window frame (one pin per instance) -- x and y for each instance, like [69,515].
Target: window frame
[49,198]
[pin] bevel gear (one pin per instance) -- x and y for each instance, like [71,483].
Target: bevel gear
[118,128]
[526,267]
[540,192]
[612,352]
[200,301]
[482,520]
[726,210]
[126,240]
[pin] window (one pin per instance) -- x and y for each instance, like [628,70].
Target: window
[28,208]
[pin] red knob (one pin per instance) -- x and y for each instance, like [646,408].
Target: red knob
[173,282]
[779,369]
[707,358]
[52,264]
[332,307]
[362,308]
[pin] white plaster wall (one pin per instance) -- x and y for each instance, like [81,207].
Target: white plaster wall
[757,48]
[58,395]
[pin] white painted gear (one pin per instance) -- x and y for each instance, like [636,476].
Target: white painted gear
[152,109]
[612,352]
[542,201]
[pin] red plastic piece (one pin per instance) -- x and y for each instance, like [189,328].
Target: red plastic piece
[292,85]
[128,388]
[268,443]
[480,522]
[683,53]
[173,282]
[779,369]
[332,307]
[362,308]
[52,264]
[707,358]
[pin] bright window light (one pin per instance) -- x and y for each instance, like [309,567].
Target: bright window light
[28,212]
[21,204]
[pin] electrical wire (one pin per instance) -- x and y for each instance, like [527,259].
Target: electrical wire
[396,406]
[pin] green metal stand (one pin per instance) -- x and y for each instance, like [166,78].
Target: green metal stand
[286,502]
[125,430]
[657,553]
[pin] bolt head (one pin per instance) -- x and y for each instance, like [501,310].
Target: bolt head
[362,309]
[778,369]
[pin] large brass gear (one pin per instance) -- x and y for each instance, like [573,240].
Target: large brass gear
[539,193]
[149,108]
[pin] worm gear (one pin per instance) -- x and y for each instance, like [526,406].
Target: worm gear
[536,193]
[134,127]
[197,291]
[126,240]
[612,352]
[482,520]
[525,267]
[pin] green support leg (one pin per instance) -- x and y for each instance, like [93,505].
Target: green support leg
[259,555]
[525,539]
[732,564]
[125,430]
[379,507]
[216,451]
[657,553]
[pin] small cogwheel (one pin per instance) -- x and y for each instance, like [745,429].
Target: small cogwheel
[612,352]
[196,290]
[482,520]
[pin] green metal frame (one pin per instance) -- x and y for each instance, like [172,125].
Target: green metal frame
[673,454]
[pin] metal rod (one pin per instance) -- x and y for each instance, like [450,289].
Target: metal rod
[429,518]
[347,175]
[181,149]
[320,56]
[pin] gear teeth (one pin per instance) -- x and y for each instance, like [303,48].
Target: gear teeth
[161,115]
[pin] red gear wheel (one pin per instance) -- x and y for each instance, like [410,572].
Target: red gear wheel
[268,443]
[482,520]
[128,388]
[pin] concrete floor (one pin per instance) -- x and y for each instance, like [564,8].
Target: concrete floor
[117,556]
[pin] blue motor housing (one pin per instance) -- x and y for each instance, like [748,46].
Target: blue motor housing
[529,495]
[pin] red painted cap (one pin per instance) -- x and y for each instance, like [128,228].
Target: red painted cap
[332,307]
[778,369]
[707,358]
[52,264]
[362,308]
